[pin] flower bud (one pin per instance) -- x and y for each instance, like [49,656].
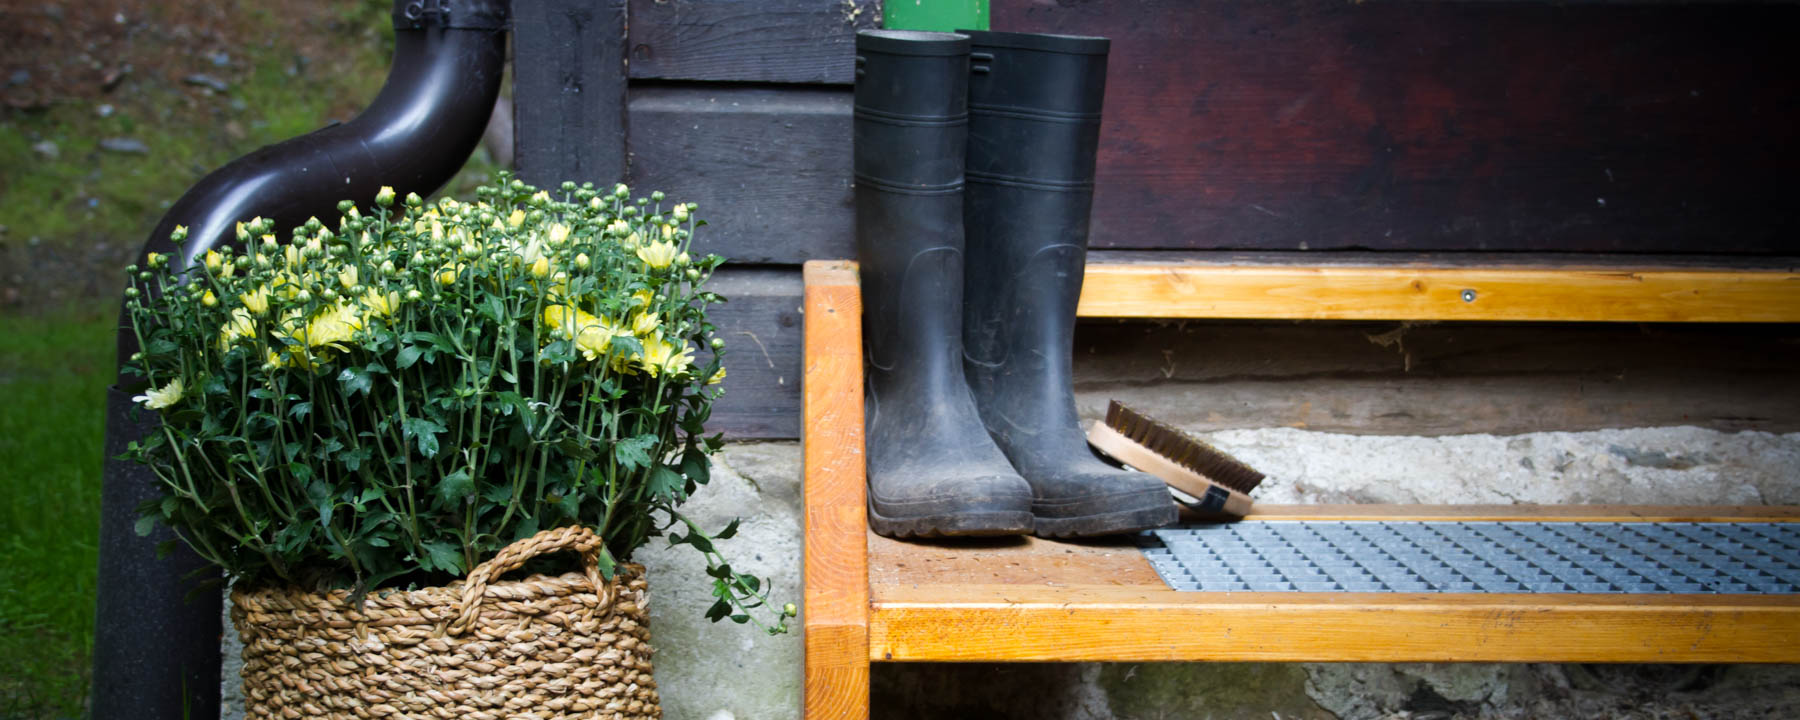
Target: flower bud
[156,260]
[209,299]
[385,196]
[595,204]
[313,224]
[214,261]
[656,196]
[683,260]
[568,186]
[680,213]
[541,267]
[718,343]
[304,296]
[620,190]
[344,206]
[413,200]
[181,233]
[387,267]
[137,357]
[131,292]
[413,294]
[693,274]
[581,260]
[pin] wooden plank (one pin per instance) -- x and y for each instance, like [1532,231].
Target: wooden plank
[836,570]
[771,41]
[569,90]
[770,168]
[1388,293]
[1532,513]
[761,328]
[1319,124]
[1108,623]
[1036,562]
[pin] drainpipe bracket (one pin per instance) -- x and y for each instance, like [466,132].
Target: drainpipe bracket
[452,14]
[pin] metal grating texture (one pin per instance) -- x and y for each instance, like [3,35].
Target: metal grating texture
[1478,557]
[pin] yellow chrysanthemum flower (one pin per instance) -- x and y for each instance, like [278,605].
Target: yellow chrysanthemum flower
[159,398]
[379,304]
[516,219]
[658,255]
[214,261]
[348,277]
[558,233]
[644,323]
[592,335]
[661,356]
[717,377]
[238,327]
[257,301]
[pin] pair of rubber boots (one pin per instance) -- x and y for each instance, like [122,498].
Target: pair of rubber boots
[969,290]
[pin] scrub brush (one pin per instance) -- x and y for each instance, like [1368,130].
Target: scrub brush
[1217,482]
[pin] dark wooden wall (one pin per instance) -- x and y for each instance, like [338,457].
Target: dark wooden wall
[1259,125]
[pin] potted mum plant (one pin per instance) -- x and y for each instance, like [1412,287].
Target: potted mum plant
[369,425]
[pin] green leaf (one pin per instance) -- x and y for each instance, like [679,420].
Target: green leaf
[408,356]
[664,484]
[632,453]
[718,611]
[354,380]
[695,465]
[145,524]
[729,530]
[456,488]
[423,431]
[444,556]
[299,410]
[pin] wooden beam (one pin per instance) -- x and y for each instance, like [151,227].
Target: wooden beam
[1118,624]
[569,91]
[770,168]
[770,41]
[836,567]
[761,326]
[1030,599]
[1428,293]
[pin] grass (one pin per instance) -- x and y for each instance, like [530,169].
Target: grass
[54,369]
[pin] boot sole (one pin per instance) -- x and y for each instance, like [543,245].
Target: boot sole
[1112,523]
[970,524]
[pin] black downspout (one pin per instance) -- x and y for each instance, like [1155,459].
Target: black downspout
[156,649]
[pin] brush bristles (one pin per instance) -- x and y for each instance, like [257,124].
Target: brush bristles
[1182,449]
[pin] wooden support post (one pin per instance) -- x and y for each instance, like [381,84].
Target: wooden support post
[836,614]
[569,91]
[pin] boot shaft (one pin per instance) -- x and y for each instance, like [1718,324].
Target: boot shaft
[1034,131]
[910,130]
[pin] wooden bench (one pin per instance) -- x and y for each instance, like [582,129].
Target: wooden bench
[872,599]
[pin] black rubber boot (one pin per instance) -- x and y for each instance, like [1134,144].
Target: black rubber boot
[932,469]
[1034,108]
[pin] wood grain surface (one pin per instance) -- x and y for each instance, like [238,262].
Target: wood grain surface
[836,612]
[1417,293]
[569,91]
[771,41]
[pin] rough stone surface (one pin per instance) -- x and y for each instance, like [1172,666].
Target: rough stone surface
[723,670]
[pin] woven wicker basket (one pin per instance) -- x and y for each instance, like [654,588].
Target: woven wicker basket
[570,646]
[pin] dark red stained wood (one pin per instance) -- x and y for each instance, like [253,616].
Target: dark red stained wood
[1442,126]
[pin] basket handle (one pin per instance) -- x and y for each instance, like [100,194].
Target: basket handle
[575,537]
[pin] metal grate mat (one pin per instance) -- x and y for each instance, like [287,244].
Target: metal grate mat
[1478,557]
